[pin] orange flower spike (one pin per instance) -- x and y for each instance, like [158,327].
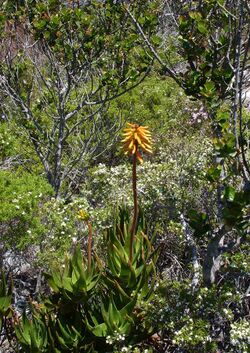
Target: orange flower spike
[135,137]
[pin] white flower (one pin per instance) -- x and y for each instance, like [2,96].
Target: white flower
[121,337]
[109,340]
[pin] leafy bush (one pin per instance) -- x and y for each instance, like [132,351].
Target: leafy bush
[193,320]
[21,195]
[7,142]
[240,333]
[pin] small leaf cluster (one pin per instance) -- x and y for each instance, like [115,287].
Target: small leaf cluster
[207,79]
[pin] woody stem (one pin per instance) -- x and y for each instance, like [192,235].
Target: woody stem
[133,228]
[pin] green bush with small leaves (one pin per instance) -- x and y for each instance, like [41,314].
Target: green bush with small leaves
[21,196]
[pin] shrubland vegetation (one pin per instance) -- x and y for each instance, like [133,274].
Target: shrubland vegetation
[136,257]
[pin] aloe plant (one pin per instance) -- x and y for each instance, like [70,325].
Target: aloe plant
[32,334]
[113,319]
[69,337]
[5,300]
[88,304]
[126,283]
[76,280]
[130,276]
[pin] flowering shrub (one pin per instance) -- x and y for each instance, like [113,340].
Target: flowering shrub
[192,334]
[22,194]
[194,320]
[164,186]
[240,335]
[6,143]
[61,229]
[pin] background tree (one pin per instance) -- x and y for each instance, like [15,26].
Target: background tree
[61,65]
[214,42]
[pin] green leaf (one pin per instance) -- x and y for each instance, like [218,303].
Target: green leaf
[199,222]
[128,309]
[229,193]
[195,15]
[114,316]
[209,85]
[156,40]
[4,303]
[214,173]
[99,330]
[202,28]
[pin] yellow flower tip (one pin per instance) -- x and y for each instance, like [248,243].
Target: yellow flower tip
[83,215]
[135,137]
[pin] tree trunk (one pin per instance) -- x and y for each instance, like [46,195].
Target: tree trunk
[213,260]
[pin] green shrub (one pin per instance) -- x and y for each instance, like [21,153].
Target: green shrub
[21,196]
[192,320]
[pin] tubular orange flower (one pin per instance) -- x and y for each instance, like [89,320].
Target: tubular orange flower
[136,136]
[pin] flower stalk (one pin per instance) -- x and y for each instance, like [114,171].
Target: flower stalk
[89,249]
[135,197]
[84,216]
[135,136]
